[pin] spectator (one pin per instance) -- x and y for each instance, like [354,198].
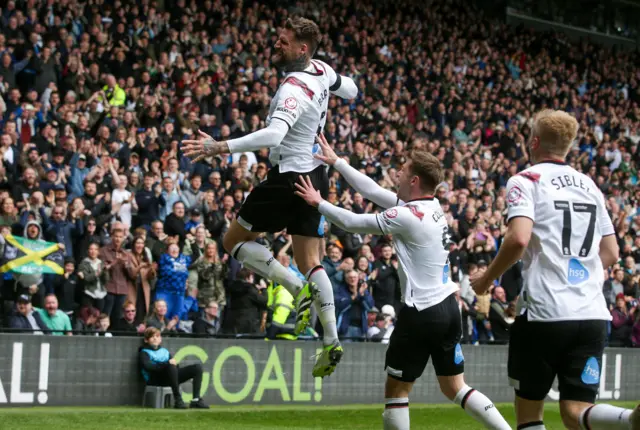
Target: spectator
[87,320]
[172,279]
[500,316]
[353,301]
[246,304]
[25,319]
[149,201]
[128,324]
[145,274]
[635,331]
[66,285]
[209,272]
[385,282]
[120,274]
[93,278]
[174,224]
[103,326]
[58,229]
[622,324]
[613,287]
[56,321]
[160,369]
[158,318]
[208,323]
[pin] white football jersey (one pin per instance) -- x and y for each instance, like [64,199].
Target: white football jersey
[563,274]
[421,238]
[301,102]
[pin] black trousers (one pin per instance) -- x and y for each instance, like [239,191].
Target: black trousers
[173,376]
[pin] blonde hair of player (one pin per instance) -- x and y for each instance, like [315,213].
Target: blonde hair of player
[553,134]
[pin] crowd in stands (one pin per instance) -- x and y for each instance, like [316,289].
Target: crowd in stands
[96,97]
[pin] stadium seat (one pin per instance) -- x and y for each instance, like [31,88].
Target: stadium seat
[157,397]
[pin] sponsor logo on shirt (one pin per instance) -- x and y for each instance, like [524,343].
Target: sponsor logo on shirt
[577,272]
[591,372]
[285,110]
[458,357]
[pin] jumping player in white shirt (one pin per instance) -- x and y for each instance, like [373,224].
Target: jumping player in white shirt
[296,115]
[429,324]
[558,224]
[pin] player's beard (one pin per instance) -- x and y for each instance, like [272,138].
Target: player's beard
[289,65]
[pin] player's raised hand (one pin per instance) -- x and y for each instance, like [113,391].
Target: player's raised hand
[307,192]
[204,146]
[328,155]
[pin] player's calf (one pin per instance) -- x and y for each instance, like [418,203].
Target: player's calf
[603,417]
[396,408]
[474,403]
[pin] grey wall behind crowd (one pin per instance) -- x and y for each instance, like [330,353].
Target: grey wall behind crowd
[90,371]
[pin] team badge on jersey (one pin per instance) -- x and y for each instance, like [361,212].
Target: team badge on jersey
[291,103]
[591,372]
[391,213]
[514,196]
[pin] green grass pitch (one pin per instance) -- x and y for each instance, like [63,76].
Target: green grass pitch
[433,417]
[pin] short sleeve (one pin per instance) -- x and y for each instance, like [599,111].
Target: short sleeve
[606,226]
[395,220]
[520,198]
[290,103]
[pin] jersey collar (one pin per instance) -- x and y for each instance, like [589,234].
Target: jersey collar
[558,162]
[421,198]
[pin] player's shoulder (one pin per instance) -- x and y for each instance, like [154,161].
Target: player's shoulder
[296,86]
[321,65]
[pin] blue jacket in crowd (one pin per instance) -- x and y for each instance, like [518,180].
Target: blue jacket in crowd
[173,273]
[62,232]
[344,303]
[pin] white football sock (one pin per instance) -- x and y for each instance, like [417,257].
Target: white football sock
[324,304]
[396,414]
[535,425]
[603,417]
[479,407]
[259,259]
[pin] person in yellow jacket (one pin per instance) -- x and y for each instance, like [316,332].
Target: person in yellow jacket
[280,302]
[114,94]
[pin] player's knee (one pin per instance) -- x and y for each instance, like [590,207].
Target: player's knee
[570,413]
[395,388]
[229,242]
[451,385]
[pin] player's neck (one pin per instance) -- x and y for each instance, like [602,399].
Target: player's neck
[549,159]
[420,196]
[298,65]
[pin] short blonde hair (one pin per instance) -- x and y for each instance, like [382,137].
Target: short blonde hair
[556,129]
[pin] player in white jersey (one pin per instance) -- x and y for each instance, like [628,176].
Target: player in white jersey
[296,115]
[429,324]
[558,224]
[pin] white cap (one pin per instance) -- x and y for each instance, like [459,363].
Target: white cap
[388,310]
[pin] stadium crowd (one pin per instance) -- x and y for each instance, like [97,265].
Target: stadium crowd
[96,97]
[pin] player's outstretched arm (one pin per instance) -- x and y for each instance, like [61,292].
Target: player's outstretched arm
[206,146]
[363,184]
[365,224]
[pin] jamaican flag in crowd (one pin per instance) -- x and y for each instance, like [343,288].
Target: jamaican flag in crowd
[31,257]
